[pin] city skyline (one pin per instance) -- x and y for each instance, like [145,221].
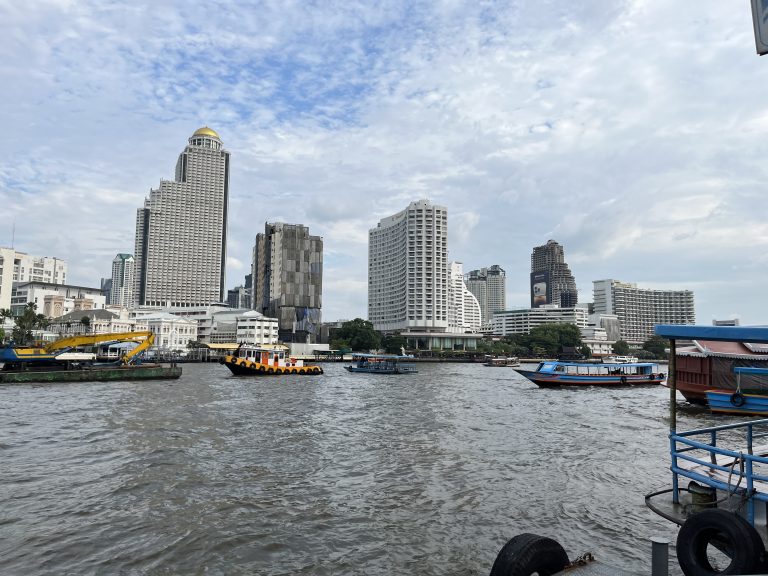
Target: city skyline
[612,128]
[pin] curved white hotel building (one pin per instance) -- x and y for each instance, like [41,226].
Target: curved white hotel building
[408,270]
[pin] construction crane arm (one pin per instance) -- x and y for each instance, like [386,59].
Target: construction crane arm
[144,338]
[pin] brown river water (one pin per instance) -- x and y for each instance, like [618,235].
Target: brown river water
[328,475]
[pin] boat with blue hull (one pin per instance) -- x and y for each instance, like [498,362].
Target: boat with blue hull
[556,373]
[740,401]
[382,364]
[719,484]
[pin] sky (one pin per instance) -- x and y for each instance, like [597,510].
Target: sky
[627,130]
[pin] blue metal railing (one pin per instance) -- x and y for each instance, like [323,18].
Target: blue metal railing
[752,430]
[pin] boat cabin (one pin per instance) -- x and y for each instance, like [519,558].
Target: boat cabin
[605,369]
[266,356]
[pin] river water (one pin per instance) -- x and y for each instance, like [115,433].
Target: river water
[334,474]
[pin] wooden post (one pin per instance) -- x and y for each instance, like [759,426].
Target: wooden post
[672,383]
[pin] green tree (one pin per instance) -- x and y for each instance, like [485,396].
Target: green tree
[86,322]
[586,351]
[393,343]
[552,338]
[26,323]
[621,348]
[656,345]
[360,335]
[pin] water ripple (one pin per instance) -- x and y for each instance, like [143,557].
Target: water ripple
[341,474]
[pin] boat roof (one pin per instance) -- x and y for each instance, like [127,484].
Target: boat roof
[381,356]
[756,334]
[617,364]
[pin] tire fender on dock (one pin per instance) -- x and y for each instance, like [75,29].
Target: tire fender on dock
[527,554]
[746,548]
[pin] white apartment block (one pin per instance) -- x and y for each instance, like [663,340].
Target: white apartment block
[464,315]
[121,293]
[181,233]
[523,320]
[408,270]
[255,328]
[640,309]
[18,266]
[55,300]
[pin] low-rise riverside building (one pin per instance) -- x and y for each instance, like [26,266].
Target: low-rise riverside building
[254,328]
[100,321]
[172,332]
[523,320]
[55,300]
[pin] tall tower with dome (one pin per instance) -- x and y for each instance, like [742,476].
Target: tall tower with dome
[181,232]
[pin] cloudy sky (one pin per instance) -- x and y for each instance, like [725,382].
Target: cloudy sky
[628,130]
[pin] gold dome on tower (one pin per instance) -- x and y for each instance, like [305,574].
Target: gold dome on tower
[205,131]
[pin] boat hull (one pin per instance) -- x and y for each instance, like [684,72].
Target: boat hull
[397,370]
[244,367]
[731,402]
[547,380]
[95,374]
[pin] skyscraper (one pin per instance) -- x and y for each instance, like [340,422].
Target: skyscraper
[408,270]
[181,232]
[287,274]
[489,285]
[551,279]
[122,283]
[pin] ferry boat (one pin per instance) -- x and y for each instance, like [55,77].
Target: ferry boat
[502,362]
[719,484]
[382,364]
[621,360]
[251,360]
[556,373]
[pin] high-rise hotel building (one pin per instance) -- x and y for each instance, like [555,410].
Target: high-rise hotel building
[181,232]
[639,309]
[408,271]
[551,278]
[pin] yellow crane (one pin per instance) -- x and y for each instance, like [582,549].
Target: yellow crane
[145,339]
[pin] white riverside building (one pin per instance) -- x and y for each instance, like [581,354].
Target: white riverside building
[181,233]
[523,320]
[55,300]
[18,266]
[464,315]
[640,309]
[408,278]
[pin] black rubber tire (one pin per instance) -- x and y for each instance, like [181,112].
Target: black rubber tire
[526,554]
[623,379]
[737,399]
[262,369]
[744,546]
[270,370]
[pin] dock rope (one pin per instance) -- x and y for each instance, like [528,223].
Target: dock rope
[582,560]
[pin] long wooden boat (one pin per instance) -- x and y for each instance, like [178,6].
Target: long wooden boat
[719,483]
[740,401]
[382,364]
[502,362]
[556,373]
[251,360]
